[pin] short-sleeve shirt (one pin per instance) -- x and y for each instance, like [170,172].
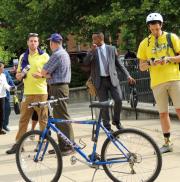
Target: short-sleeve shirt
[156,49]
[34,86]
[59,67]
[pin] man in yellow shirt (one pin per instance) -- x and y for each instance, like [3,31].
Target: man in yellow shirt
[35,86]
[160,59]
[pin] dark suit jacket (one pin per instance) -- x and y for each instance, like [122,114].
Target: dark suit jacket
[92,59]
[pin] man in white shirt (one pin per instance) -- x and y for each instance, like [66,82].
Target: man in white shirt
[3,87]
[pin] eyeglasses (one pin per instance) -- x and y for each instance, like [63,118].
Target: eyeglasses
[32,35]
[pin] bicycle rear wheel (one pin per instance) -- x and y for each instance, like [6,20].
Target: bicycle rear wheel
[46,168]
[143,161]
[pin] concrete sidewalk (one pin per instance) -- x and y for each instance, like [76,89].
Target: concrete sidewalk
[80,172]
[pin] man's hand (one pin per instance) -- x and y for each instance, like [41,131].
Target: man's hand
[144,65]
[163,60]
[37,75]
[45,74]
[19,76]
[131,80]
[93,47]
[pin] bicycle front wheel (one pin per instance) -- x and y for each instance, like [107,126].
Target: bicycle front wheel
[47,167]
[141,160]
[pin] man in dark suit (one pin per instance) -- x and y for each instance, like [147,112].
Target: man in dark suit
[103,61]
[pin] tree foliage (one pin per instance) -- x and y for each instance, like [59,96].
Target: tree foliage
[19,17]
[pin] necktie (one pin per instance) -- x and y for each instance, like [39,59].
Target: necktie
[105,62]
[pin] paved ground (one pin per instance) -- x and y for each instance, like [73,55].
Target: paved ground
[80,172]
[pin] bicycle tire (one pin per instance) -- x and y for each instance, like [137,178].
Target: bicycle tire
[27,148]
[150,156]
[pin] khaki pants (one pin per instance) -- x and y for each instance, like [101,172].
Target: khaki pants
[26,113]
[60,111]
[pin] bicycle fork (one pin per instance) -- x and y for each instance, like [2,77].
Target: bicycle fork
[40,146]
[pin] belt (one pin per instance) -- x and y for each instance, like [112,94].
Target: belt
[105,76]
[55,84]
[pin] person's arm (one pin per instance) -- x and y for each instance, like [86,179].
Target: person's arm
[45,74]
[174,59]
[121,66]
[19,75]
[50,66]
[9,79]
[90,55]
[5,83]
[41,74]
[143,65]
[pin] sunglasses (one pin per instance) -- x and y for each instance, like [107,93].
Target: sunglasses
[33,35]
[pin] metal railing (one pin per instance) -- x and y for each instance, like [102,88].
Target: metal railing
[144,91]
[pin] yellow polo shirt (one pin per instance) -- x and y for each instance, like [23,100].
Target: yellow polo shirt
[33,86]
[160,73]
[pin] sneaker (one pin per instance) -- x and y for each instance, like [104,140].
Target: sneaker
[12,150]
[2,132]
[166,148]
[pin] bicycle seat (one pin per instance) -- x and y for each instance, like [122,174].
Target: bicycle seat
[104,104]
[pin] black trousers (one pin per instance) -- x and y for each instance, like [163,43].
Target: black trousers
[60,111]
[103,92]
[1,112]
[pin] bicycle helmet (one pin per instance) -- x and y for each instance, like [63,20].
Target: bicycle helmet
[154,17]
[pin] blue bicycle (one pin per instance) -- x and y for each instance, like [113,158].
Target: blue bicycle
[126,155]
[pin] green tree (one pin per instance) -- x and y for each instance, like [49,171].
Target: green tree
[81,18]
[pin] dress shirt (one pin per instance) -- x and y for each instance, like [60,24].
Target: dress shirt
[103,49]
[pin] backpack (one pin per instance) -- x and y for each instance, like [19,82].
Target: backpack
[170,44]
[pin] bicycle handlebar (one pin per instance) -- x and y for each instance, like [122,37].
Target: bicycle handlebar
[45,103]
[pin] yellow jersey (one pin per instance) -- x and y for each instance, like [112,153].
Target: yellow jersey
[34,86]
[151,47]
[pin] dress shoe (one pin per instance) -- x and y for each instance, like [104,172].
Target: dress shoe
[2,132]
[6,128]
[118,125]
[12,150]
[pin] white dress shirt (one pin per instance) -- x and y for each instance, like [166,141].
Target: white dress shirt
[3,85]
[103,49]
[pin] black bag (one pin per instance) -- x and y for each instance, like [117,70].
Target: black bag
[16,104]
[133,97]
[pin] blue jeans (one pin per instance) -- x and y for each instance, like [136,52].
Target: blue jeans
[7,112]
[1,112]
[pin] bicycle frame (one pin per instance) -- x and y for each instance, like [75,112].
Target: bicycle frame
[92,159]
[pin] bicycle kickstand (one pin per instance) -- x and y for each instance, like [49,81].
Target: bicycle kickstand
[94,174]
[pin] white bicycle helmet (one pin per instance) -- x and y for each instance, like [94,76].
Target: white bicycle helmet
[154,17]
